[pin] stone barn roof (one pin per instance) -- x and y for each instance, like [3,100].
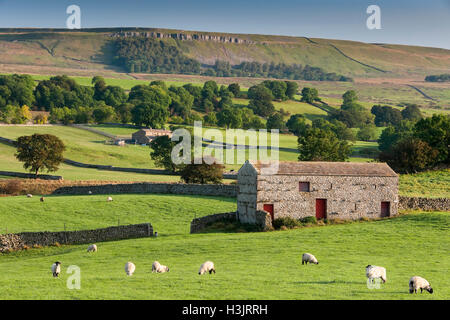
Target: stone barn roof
[317,168]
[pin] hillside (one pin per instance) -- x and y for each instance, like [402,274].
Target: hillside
[49,51]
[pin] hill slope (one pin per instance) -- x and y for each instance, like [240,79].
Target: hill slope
[91,49]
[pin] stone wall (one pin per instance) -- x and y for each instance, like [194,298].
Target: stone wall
[29,175]
[147,187]
[17,241]
[199,224]
[429,204]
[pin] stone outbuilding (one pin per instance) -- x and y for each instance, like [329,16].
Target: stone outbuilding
[325,190]
[145,136]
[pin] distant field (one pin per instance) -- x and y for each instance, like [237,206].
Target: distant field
[242,266]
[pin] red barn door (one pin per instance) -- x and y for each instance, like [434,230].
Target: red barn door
[321,209]
[269,208]
[385,209]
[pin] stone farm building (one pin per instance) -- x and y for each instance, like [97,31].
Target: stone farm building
[145,136]
[326,190]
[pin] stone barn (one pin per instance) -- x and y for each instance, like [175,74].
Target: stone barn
[145,136]
[325,190]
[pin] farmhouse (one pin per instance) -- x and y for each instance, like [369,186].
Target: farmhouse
[326,190]
[145,136]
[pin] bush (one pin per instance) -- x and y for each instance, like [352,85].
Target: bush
[13,187]
[311,220]
[286,222]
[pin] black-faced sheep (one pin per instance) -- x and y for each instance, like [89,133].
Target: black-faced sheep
[42,199]
[208,266]
[56,269]
[92,248]
[308,257]
[375,272]
[157,267]
[417,282]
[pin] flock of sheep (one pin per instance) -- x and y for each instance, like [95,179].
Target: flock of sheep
[372,272]
[130,267]
[376,272]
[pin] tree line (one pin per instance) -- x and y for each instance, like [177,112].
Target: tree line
[438,78]
[158,56]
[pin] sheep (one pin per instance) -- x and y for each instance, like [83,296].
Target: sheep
[42,199]
[157,267]
[56,269]
[375,272]
[129,268]
[208,266]
[29,195]
[92,248]
[417,282]
[308,257]
[109,199]
[90,192]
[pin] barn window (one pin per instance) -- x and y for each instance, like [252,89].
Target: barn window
[303,186]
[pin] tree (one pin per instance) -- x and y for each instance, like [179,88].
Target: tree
[409,155]
[161,153]
[276,121]
[16,90]
[412,112]
[230,117]
[103,114]
[210,119]
[338,127]
[385,116]
[235,89]
[309,95]
[435,131]
[391,135]
[367,132]
[353,115]
[297,124]
[40,151]
[278,89]
[151,106]
[124,112]
[291,89]
[202,173]
[261,101]
[349,97]
[322,145]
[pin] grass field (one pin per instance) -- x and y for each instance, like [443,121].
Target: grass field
[432,184]
[263,265]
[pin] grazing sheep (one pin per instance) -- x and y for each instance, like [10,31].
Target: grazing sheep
[208,266]
[109,199]
[156,234]
[56,269]
[157,267]
[92,248]
[90,192]
[29,195]
[417,282]
[375,272]
[42,199]
[308,257]
[129,268]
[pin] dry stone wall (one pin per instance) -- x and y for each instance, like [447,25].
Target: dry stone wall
[427,204]
[146,187]
[18,241]
[198,224]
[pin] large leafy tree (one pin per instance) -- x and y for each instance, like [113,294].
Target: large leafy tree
[39,152]
[291,89]
[385,115]
[436,132]
[322,145]
[349,97]
[151,105]
[202,173]
[412,112]
[297,124]
[161,153]
[16,90]
[309,95]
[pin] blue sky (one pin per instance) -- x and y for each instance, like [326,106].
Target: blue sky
[412,22]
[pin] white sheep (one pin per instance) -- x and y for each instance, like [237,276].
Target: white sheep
[109,199]
[208,266]
[92,248]
[157,267]
[130,268]
[417,282]
[308,257]
[56,269]
[29,195]
[375,272]
[90,192]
